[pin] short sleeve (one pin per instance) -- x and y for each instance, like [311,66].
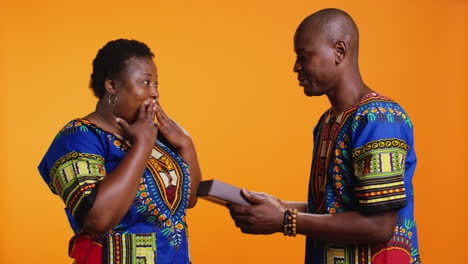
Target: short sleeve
[73,168]
[380,148]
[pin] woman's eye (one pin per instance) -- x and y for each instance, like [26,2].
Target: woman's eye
[146,82]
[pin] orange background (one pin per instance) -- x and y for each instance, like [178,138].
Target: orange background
[226,75]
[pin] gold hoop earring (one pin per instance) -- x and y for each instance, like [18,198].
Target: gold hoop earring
[110,101]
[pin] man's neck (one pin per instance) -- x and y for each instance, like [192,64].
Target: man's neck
[349,91]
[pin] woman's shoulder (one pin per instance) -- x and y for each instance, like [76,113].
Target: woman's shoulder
[79,127]
[78,138]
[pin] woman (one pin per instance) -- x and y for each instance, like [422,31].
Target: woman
[125,180]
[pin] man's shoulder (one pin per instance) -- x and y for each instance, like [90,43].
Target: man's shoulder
[374,100]
[377,107]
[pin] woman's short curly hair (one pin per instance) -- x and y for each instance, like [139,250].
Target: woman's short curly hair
[110,61]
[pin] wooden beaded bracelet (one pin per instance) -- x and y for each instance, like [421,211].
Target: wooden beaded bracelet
[289,222]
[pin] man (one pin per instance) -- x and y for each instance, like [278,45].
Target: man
[360,204]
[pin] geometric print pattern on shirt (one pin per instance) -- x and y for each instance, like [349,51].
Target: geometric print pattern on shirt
[379,166]
[130,248]
[364,160]
[163,192]
[165,176]
[79,159]
[74,176]
[322,159]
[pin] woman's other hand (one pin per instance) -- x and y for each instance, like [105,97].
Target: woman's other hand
[181,140]
[173,132]
[143,129]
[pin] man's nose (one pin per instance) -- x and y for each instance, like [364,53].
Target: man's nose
[297,66]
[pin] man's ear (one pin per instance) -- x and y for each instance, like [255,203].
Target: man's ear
[109,85]
[340,52]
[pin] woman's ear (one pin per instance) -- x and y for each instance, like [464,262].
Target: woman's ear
[109,85]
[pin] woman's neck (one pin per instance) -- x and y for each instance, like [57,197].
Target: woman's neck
[104,117]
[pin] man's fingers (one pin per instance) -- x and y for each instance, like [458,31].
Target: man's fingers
[252,197]
[243,221]
[247,229]
[262,194]
[238,210]
[240,221]
[244,218]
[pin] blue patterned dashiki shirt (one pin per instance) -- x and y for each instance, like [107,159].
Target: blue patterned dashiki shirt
[154,229]
[364,161]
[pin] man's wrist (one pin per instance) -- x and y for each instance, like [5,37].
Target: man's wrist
[290,222]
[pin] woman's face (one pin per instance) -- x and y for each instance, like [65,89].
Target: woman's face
[137,83]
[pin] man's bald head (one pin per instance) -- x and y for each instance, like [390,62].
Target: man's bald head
[336,25]
[326,44]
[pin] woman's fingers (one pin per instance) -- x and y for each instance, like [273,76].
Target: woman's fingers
[122,123]
[159,115]
[142,110]
[143,127]
[160,128]
[150,111]
[165,124]
[162,117]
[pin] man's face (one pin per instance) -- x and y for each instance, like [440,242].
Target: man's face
[315,63]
